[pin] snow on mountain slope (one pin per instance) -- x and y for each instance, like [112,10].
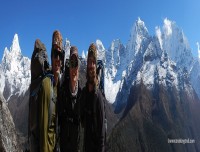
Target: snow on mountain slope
[170,44]
[15,69]
[195,76]
[67,47]
[131,60]
[115,69]
[139,34]
[195,73]
[2,79]
[174,42]
[122,63]
[83,54]
[198,49]
[100,50]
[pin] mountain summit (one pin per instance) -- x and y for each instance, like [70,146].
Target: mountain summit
[15,48]
[15,71]
[173,40]
[166,53]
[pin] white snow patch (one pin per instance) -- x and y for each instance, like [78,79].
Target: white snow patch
[198,49]
[168,26]
[83,54]
[111,89]
[159,35]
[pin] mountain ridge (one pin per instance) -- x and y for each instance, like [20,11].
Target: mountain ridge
[118,59]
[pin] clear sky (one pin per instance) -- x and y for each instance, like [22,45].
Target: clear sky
[84,21]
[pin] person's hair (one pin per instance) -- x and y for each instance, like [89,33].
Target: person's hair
[56,40]
[92,51]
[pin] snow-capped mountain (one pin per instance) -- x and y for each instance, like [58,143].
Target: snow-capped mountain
[124,65]
[173,40]
[139,35]
[15,71]
[115,69]
[157,98]
[165,57]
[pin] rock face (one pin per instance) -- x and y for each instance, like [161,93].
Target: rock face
[8,136]
[18,106]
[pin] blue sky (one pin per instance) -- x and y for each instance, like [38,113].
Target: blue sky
[84,21]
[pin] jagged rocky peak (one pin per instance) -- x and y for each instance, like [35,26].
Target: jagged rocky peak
[13,54]
[116,54]
[15,48]
[15,78]
[118,46]
[173,40]
[140,28]
[5,54]
[172,33]
[8,135]
[115,44]
[114,69]
[100,46]
[153,50]
[139,34]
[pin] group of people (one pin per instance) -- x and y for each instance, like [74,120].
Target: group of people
[65,108]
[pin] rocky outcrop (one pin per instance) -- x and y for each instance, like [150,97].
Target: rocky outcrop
[18,106]
[8,135]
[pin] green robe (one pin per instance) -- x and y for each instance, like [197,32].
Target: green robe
[47,133]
